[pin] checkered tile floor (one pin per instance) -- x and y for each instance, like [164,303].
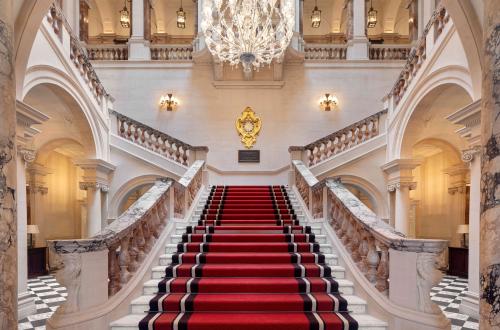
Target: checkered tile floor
[49,295]
[448,296]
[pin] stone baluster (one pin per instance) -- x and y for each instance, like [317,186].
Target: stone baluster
[363,253]
[113,270]
[133,252]
[382,284]
[141,243]
[124,259]
[372,260]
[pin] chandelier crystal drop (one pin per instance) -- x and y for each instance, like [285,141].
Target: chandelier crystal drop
[250,32]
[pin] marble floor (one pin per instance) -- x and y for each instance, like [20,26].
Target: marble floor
[49,295]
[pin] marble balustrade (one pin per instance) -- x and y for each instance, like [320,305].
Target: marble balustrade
[368,240]
[389,52]
[418,54]
[171,52]
[157,141]
[342,140]
[107,52]
[78,54]
[325,52]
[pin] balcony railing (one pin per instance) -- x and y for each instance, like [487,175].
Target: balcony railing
[389,52]
[171,52]
[325,52]
[107,52]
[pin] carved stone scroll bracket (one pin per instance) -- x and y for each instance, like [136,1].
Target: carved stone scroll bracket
[428,275]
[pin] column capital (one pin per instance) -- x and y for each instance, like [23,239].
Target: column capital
[469,154]
[397,185]
[89,185]
[28,154]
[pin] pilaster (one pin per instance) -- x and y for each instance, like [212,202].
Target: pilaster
[357,46]
[138,45]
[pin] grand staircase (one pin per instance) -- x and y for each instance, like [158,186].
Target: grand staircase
[248,260]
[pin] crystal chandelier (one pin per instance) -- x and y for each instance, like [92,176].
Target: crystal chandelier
[250,32]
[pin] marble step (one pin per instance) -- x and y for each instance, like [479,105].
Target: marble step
[366,322]
[181,229]
[158,272]
[346,287]
[178,238]
[356,305]
[330,259]
[324,248]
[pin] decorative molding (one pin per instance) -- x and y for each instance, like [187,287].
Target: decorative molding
[401,184]
[28,154]
[248,84]
[248,126]
[94,186]
[38,188]
[469,154]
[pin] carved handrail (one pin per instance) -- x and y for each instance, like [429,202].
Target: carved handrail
[325,52]
[126,242]
[342,140]
[78,52]
[171,52]
[156,141]
[187,187]
[418,54]
[389,52]
[368,239]
[107,52]
[128,239]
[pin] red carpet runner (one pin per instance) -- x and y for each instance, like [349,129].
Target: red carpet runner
[247,265]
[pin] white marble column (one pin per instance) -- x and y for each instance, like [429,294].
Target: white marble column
[402,205]
[489,267]
[26,303]
[94,208]
[357,46]
[456,190]
[104,208]
[138,47]
[37,186]
[8,218]
[96,182]
[470,300]
[400,182]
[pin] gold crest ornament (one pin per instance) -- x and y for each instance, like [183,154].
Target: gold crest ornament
[248,126]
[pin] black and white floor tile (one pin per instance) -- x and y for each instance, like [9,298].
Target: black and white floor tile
[49,295]
[448,295]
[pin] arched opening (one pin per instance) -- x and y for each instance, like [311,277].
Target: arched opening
[438,202]
[55,202]
[132,196]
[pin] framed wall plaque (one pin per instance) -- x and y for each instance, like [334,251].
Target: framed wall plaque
[248,156]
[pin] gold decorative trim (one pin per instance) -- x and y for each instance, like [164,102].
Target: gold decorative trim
[248,127]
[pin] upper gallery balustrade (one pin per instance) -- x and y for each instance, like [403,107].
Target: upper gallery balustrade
[171,33]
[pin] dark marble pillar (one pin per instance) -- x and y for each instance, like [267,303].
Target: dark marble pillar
[8,221]
[489,267]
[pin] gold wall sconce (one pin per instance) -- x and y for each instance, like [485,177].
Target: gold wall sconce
[168,102]
[328,102]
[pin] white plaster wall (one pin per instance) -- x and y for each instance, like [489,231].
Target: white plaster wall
[206,115]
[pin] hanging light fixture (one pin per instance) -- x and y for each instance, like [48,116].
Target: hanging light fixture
[181,18]
[250,32]
[125,16]
[316,16]
[372,17]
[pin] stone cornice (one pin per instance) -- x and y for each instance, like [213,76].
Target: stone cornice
[27,116]
[95,164]
[397,165]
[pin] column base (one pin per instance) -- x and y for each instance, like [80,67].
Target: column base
[138,49]
[470,304]
[357,49]
[25,305]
